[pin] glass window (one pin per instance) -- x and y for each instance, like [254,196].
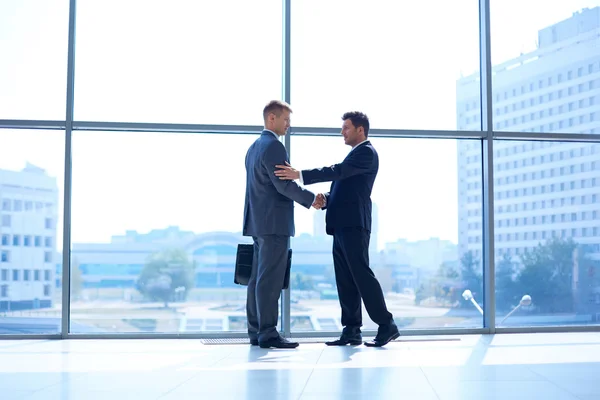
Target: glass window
[422,250]
[33,71]
[31,159]
[531,276]
[536,45]
[6,204]
[374,68]
[180,227]
[215,62]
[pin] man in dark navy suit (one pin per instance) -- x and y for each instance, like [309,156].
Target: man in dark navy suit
[269,219]
[348,219]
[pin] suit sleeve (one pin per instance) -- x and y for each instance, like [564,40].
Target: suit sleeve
[358,162]
[276,155]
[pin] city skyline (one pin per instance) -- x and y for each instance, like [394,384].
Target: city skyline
[414,205]
[398,217]
[123,233]
[429,210]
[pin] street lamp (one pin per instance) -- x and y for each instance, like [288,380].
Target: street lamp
[468,296]
[525,301]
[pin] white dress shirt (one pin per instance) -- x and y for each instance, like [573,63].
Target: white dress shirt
[274,134]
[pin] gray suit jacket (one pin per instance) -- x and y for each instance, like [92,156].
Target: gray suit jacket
[269,203]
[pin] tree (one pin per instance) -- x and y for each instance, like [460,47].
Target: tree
[447,287]
[470,275]
[302,282]
[160,288]
[506,288]
[444,286]
[547,275]
[166,273]
[588,280]
[447,271]
[420,294]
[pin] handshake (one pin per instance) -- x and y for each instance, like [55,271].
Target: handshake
[287,172]
[320,201]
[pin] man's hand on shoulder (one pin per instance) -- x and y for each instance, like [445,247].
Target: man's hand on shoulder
[287,172]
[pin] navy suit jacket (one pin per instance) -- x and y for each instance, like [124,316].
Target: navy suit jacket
[269,202]
[349,199]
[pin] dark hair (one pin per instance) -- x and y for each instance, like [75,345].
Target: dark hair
[276,107]
[358,119]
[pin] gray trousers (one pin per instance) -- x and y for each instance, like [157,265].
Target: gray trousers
[265,285]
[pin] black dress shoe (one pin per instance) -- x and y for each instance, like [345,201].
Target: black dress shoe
[353,339]
[385,334]
[278,343]
[254,342]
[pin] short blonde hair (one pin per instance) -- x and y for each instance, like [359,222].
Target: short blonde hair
[276,107]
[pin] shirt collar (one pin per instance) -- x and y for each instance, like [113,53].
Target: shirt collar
[363,142]
[273,133]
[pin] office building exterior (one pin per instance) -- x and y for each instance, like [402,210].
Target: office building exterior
[542,189]
[28,216]
[118,264]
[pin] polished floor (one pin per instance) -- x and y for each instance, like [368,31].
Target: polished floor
[524,366]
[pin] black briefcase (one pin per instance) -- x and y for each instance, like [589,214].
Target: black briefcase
[243,265]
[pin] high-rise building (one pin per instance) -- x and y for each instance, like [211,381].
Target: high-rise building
[542,189]
[28,216]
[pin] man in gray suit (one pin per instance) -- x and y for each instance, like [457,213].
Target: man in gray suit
[269,219]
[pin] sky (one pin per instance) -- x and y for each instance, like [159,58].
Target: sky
[212,62]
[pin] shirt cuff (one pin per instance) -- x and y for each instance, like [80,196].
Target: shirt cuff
[301,178]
